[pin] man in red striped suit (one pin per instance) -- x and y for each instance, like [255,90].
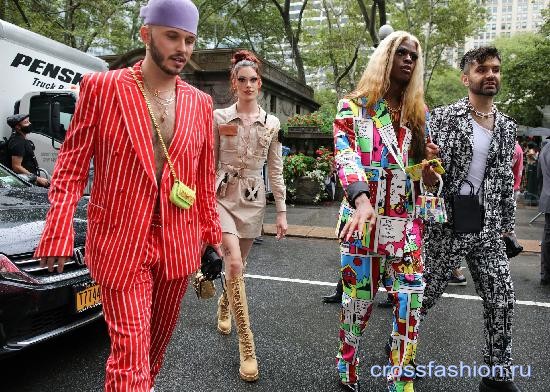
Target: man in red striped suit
[140,247]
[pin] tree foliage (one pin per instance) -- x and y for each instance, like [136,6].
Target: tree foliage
[253,24]
[81,24]
[369,16]
[334,46]
[439,25]
[525,81]
[293,32]
[445,87]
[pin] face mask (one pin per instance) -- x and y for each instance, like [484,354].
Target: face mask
[26,129]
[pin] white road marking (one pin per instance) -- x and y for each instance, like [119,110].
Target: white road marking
[446,295]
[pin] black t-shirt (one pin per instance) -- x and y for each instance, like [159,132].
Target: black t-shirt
[21,147]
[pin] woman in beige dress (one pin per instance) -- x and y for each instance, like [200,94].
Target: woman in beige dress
[245,137]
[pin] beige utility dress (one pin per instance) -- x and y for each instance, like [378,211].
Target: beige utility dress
[240,156]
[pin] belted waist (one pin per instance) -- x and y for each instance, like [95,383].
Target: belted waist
[227,173]
[238,171]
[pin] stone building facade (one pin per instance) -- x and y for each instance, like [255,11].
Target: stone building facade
[208,69]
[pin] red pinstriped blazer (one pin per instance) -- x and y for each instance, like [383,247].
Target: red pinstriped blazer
[111,125]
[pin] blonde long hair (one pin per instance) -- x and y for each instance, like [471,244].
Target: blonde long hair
[375,82]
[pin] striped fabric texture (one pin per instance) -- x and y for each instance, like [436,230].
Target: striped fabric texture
[111,125]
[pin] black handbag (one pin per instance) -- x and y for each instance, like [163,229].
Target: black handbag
[513,248]
[211,264]
[211,269]
[467,212]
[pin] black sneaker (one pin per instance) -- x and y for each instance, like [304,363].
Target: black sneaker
[350,387]
[488,385]
[454,281]
[387,303]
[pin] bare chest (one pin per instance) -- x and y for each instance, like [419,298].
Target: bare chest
[166,122]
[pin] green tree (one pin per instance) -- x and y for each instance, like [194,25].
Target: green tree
[341,44]
[525,80]
[545,28]
[326,97]
[445,87]
[369,16]
[335,44]
[81,24]
[293,32]
[439,25]
[252,24]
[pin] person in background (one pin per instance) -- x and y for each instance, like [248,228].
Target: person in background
[543,171]
[21,150]
[517,169]
[457,278]
[532,153]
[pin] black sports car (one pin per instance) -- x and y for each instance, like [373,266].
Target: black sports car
[36,305]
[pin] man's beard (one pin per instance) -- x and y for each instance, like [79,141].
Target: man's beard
[159,59]
[478,89]
[26,129]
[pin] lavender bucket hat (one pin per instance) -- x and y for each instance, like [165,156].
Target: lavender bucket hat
[180,14]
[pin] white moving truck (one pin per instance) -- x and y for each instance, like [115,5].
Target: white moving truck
[40,76]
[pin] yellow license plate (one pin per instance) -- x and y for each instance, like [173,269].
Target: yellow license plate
[88,298]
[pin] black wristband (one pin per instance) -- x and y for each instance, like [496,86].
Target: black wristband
[355,190]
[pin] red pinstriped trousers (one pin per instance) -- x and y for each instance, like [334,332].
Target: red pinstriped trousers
[141,321]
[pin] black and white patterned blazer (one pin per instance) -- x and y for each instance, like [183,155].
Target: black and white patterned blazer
[452,130]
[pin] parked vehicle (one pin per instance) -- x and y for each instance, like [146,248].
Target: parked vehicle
[40,76]
[36,305]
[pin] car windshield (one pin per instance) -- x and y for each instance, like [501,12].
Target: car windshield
[10,180]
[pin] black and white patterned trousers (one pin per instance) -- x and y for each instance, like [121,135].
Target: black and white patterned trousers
[489,267]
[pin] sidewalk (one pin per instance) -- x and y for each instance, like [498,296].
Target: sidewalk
[320,222]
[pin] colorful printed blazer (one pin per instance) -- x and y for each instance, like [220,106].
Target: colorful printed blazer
[370,157]
[111,124]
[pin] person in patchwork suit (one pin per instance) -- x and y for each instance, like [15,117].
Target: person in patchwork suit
[379,129]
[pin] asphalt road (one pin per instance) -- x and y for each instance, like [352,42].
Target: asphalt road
[296,335]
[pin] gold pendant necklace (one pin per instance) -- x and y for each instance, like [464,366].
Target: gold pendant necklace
[395,113]
[160,101]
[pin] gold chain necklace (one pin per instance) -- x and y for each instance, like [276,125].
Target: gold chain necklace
[395,113]
[162,104]
[163,108]
[156,92]
[155,124]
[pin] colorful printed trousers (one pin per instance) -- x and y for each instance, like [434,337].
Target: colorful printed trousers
[489,267]
[361,274]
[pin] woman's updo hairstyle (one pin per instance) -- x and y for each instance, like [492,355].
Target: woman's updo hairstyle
[244,58]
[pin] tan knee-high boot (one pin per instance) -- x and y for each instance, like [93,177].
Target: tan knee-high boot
[224,314]
[237,298]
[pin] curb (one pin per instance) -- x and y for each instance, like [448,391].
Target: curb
[327,233]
